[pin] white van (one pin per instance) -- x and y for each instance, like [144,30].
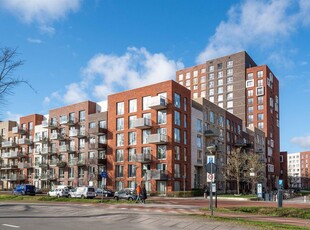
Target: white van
[83,192]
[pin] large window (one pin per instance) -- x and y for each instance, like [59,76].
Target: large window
[120,123]
[82,115]
[119,155]
[177,171]
[145,135]
[199,141]
[177,135]
[120,108]
[176,152]
[260,74]
[177,100]
[131,170]
[132,138]
[161,117]
[177,118]
[145,102]
[119,139]
[131,154]
[130,120]
[132,105]
[119,170]
[212,120]
[161,152]
[199,125]
[260,116]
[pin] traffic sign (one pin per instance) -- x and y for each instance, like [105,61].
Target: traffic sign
[210,159]
[210,177]
[104,174]
[259,190]
[280,182]
[211,168]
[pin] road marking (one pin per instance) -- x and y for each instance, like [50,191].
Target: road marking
[11,226]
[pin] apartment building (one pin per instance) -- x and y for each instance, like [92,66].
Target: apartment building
[250,92]
[283,169]
[304,169]
[149,138]
[294,174]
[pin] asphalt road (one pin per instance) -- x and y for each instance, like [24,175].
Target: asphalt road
[87,216]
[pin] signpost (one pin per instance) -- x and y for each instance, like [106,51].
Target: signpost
[211,170]
[104,176]
[259,190]
[280,193]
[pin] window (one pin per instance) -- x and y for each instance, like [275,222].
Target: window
[185,138]
[145,102]
[220,89]
[132,138]
[203,86]
[81,171]
[180,77]
[259,91]
[250,76]
[230,80]
[119,170]
[219,66]
[184,121]
[82,115]
[161,152]
[249,83]
[145,135]
[103,124]
[119,155]
[260,125]
[250,109]
[199,141]
[203,79]
[120,108]
[177,135]
[131,170]
[199,125]
[203,94]
[130,120]
[260,82]
[161,117]
[195,80]
[211,117]
[230,72]
[177,100]
[260,100]
[132,105]
[211,84]
[185,103]
[177,171]
[250,93]
[250,118]
[176,152]
[202,70]
[260,107]
[187,82]
[195,87]
[211,68]
[260,116]
[230,64]
[220,82]
[188,75]
[211,91]
[220,97]
[211,99]
[230,104]
[177,118]
[131,154]
[230,96]
[119,139]
[211,76]
[220,74]
[250,101]
[30,126]
[71,172]
[120,123]
[230,88]
[260,74]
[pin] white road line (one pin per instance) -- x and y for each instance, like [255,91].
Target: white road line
[11,226]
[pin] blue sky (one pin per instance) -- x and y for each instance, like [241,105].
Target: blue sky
[77,50]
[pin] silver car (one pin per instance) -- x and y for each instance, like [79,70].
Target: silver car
[58,192]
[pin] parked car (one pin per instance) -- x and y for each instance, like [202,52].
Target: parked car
[83,192]
[58,192]
[104,192]
[38,191]
[25,189]
[126,194]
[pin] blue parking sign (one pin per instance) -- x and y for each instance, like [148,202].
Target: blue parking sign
[104,174]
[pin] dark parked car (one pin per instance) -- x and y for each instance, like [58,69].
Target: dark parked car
[126,194]
[104,192]
[24,189]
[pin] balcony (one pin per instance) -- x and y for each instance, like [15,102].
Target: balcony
[25,141]
[97,130]
[9,166]
[22,153]
[24,165]
[157,174]
[143,157]
[45,150]
[42,164]
[157,139]
[18,130]
[81,162]
[58,136]
[62,164]
[210,133]
[53,162]
[96,146]
[8,144]
[49,125]
[11,154]
[158,102]
[63,148]
[77,133]
[141,123]
[65,120]
[72,162]
[40,139]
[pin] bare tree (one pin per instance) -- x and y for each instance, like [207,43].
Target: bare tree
[255,170]
[9,62]
[235,166]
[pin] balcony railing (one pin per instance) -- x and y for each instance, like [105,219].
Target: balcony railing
[143,157]
[65,120]
[40,139]
[49,125]
[81,162]
[157,138]
[11,154]
[72,162]
[96,145]
[141,123]
[24,165]
[25,141]
[58,136]
[79,133]
[158,102]
[18,130]
[157,174]
[9,166]
[8,144]
[97,130]
[63,148]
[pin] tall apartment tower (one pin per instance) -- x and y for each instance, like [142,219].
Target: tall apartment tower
[149,138]
[248,91]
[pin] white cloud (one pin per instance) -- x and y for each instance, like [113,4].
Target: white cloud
[12,116]
[75,93]
[303,142]
[45,29]
[34,40]
[40,11]
[255,23]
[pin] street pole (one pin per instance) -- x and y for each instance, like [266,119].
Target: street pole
[211,194]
